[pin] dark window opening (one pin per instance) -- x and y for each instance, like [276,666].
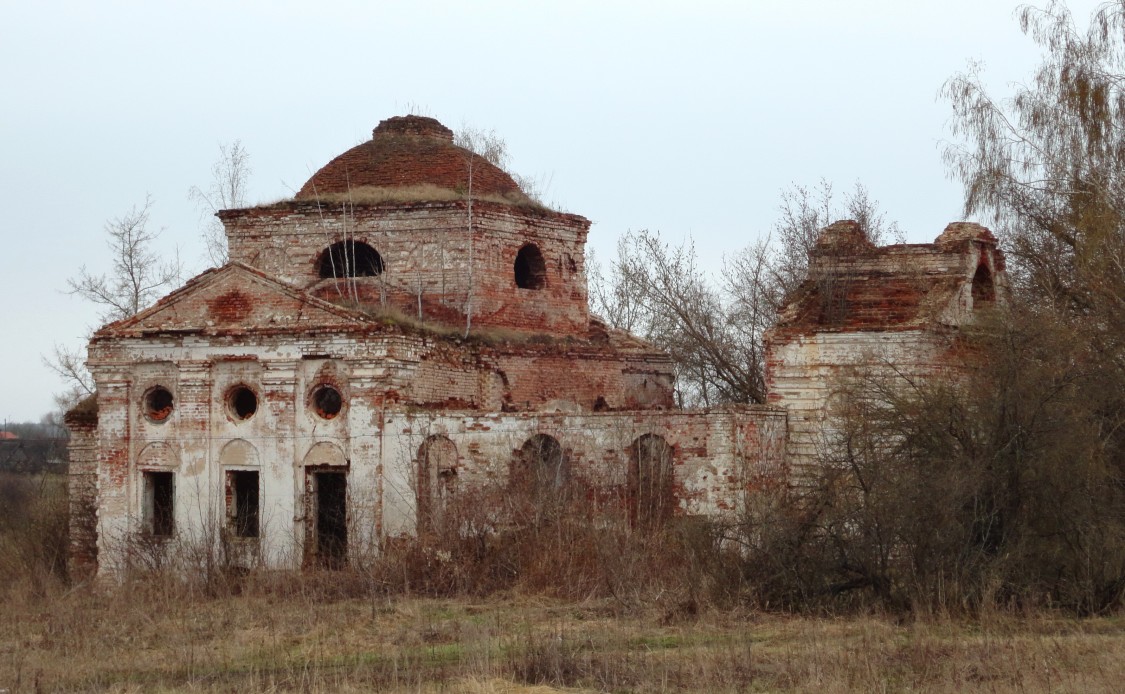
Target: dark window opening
[331,519]
[327,401]
[651,499]
[242,402]
[243,501]
[540,469]
[159,503]
[350,259]
[437,475]
[983,289]
[531,270]
[158,404]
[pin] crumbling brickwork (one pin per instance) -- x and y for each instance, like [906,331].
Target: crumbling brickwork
[82,492]
[869,310]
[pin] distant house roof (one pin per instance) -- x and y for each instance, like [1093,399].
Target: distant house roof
[7,436]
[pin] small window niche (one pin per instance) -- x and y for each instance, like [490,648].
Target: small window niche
[530,268]
[243,502]
[159,503]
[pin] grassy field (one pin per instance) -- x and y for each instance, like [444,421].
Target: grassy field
[648,625]
[301,639]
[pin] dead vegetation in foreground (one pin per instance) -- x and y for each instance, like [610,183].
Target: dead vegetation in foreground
[296,636]
[570,604]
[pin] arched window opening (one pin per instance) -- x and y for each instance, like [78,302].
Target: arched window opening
[437,474]
[531,270]
[540,470]
[350,259]
[651,499]
[983,289]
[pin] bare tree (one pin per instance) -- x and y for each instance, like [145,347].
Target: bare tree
[804,212]
[658,291]
[715,331]
[479,144]
[1048,166]
[227,190]
[1047,163]
[998,487]
[69,365]
[138,276]
[614,298]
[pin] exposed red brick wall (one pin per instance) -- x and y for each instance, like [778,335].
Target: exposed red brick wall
[855,286]
[621,382]
[231,307]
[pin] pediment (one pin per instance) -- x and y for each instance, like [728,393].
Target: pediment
[236,299]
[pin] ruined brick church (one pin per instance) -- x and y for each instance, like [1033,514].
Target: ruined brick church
[410,326]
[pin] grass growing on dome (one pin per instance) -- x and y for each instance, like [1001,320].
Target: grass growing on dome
[426,192]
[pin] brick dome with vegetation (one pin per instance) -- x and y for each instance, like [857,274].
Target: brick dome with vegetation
[410,152]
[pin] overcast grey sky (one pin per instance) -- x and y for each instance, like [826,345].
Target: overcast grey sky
[688,118]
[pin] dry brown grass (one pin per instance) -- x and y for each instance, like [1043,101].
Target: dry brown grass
[628,617]
[33,533]
[151,636]
[378,195]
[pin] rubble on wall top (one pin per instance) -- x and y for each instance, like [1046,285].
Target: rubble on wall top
[844,235]
[957,233]
[412,126]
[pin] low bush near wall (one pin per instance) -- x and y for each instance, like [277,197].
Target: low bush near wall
[490,541]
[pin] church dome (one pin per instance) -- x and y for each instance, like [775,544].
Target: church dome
[409,152]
